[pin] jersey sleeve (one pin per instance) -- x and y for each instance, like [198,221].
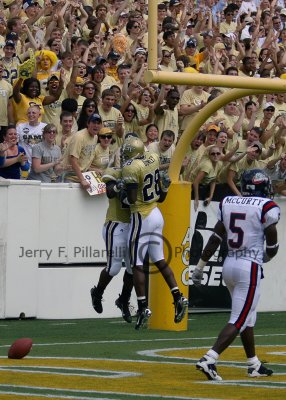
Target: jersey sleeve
[270,213]
[110,175]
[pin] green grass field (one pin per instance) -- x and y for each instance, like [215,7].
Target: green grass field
[108,359]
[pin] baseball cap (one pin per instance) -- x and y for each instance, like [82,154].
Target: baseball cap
[113,54]
[12,36]
[140,50]
[28,3]
[192,42]
[213,127]
[9,43]
[268,105]
[100,60]
[257,144]
[207,33]
[248,20]
[283,11]
[219,46]
[94,118]
[175,2]
[53,77]
[105,131]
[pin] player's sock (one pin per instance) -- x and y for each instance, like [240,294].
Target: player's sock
[127,287]
[213,354]
[253,361]
[176,293]
[142,303]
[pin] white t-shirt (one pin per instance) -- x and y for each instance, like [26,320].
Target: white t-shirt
[29,136]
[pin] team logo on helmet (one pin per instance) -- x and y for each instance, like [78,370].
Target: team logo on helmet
[255,182]
[259,177]
[132,148]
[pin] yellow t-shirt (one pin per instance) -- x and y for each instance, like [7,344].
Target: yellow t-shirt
[190,97]
[20,109]
[211,172]
[142,113]
[82,146]
[169,120]
[109,120]
[101,157]
[6,92]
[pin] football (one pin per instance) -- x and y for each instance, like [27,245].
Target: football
[20,348]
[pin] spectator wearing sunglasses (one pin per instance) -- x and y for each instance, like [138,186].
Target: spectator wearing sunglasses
[228,26]
[102,151]
[46,157]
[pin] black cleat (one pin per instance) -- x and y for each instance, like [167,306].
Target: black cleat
[96,300]
[181,307]
[142,317]
[124,307]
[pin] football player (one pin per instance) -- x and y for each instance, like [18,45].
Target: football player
[144,189]
[245,220]
[115,234]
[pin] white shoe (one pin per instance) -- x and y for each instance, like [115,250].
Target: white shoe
[208,367]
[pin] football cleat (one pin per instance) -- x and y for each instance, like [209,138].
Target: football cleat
[259,370]
[142,317]
[96,300]
[208,367]
[181,307]
[124,307]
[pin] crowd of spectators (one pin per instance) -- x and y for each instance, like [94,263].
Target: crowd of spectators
[72,86]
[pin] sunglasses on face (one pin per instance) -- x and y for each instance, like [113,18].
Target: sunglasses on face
[270,109]
[78,86]
[105,136]
[130,110]
[215,154]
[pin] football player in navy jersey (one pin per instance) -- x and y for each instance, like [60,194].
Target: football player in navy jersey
[246,221]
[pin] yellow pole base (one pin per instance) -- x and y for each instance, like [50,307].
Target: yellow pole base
[176,213]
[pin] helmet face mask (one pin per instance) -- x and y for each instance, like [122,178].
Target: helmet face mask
[256,183]
[131,149]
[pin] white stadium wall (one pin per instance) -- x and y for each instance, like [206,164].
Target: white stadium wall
[52,252]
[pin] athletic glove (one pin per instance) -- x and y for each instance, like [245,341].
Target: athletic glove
[120,185]
[197,276]
[165,182]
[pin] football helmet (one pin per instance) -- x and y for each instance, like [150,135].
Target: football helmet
[132,148]
[255,182]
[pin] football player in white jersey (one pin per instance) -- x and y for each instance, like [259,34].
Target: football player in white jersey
[246,221]
[144,188]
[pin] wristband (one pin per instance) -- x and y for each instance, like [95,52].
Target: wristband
[201,264]
[164,189]
[274,246]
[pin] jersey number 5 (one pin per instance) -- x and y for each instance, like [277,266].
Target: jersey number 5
[234,217]
[151,186]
